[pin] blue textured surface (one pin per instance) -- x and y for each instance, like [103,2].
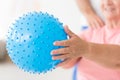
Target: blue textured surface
[30,41]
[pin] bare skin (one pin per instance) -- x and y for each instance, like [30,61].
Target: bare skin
[75,48]
[94,21]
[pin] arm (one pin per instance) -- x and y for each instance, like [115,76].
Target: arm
[107,55]
[85,7]
[94,21]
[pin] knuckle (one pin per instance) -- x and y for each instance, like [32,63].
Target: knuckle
[64,43]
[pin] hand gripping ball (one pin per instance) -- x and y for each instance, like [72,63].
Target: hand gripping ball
[30,41]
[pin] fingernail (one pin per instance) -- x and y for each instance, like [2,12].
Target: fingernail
[52,52]
[54,43]
[53,58]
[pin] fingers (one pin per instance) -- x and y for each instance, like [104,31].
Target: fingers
[60,57]
[63,63]
[101,23]
[91,25]
[65,42]
[95,21]
[60,51]
[96,24]
[62,43]
[71,63]
[68,31]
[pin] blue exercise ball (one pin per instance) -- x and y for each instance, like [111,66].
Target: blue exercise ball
[30,41]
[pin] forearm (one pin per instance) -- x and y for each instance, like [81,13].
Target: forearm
[107,55]
[85,7]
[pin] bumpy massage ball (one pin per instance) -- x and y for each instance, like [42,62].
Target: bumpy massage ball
[30,41]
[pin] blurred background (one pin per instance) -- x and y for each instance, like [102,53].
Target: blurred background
[65,10]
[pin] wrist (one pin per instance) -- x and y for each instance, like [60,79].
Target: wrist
[88,50]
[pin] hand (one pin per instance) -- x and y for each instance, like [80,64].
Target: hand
[70,64]
[94,21]
[74,48]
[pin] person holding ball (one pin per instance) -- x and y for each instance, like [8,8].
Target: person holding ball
[95,51]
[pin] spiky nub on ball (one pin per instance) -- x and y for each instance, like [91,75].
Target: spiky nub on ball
[30,41]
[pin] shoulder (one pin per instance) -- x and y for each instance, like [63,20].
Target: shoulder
[86,34]
[90,33]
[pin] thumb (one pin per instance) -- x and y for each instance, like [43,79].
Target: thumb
[68,31]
